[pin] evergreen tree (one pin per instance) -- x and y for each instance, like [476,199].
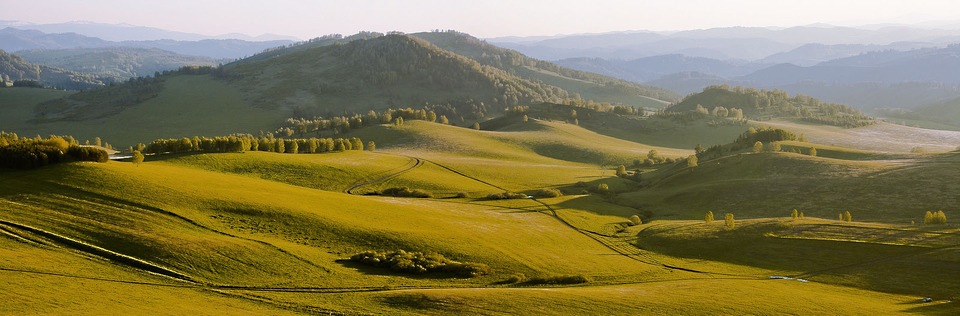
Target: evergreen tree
[847,217]
[97,142]
[137,157]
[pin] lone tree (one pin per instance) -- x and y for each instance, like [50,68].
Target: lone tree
[794,214]
[708,218]
[476,126]
[757,147]
[603,188]
[621,171]
[847,217]
[728,221]
[138,158]
[692,161]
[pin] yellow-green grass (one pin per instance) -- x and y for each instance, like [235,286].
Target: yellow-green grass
[905,259]
[772,184]
[72,283]
[187,106]
[683,297]
[318,226]
[883,137]
[534,141]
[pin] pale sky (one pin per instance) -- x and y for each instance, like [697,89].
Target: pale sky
[481,18]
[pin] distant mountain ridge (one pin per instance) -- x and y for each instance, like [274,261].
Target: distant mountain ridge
[126,32]
[13,39]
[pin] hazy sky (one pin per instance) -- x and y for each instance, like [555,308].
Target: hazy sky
[482,18]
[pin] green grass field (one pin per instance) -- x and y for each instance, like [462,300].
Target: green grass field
[267,233]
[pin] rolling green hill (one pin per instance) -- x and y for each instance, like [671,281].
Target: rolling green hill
[118,63]
[14,68]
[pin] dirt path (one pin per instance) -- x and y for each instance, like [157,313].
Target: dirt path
[417,162]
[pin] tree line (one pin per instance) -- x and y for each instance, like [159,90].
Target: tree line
[31,153]
[242,143]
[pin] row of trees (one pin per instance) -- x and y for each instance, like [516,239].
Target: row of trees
[242,143]
[29,153]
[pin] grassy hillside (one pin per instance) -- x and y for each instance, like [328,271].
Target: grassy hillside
[761,185]
[119,63]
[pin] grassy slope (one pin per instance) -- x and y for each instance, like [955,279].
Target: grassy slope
[102,288]
[18,104]
[188,106]
[771,184]
[882,137]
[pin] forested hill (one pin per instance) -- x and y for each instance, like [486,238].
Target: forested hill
[388,70]
[760,104]
[118,63]
[588,85]
[14,68]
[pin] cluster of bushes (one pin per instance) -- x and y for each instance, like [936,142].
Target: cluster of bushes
[934,218]
[420,262]
[506,196]
[242,143]
[405,192]
[548,193]
[29,153]
[559,279]
[653,158]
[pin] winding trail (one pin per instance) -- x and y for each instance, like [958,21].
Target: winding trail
[417,162]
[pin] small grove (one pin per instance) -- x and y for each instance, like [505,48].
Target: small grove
[30,153]
[401,261]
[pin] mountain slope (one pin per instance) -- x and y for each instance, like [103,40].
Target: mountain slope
[120,63]
[590,86]
[13,68]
